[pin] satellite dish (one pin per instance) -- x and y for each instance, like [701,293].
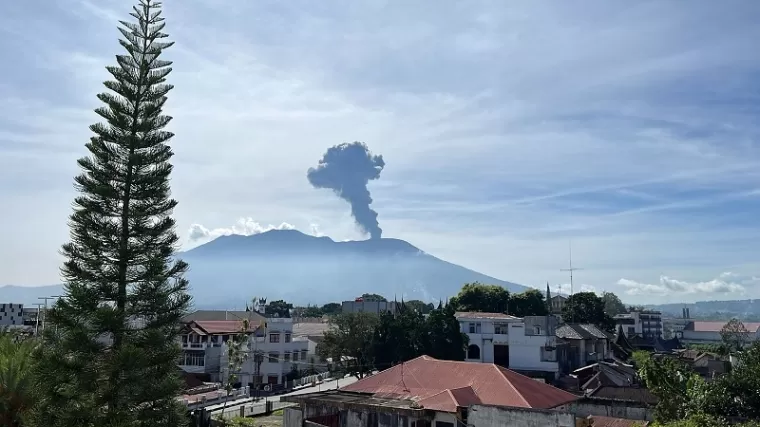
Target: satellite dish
[267,387]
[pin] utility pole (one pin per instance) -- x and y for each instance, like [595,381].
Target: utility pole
[37,322]
[570,270]
[44,319]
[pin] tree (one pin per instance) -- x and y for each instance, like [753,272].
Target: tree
[278,308]
[612,304]
[528,303]
[481,298]
[445,340]
[671,381]
[236,355]
[113,356]
[373,298]
[349,342]
[331,308]
[308,311]
[398,338]
[419,306]
[734,335]
[587,307]
[17,360]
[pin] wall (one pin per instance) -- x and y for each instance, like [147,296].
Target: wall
[489,416]
[609,408]
[11,314]
[292,417]
[368,307]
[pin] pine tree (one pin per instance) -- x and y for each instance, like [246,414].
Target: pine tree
[110,358]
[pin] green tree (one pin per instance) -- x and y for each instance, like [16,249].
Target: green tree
[373,298]
[481,298]
[399,338]
[331,308]
[734,335]
[735,394]
[111,359]
[419,306]
[236,355]
[17,358]
[349,342]
[671,381]
[612,304]
[445,340]
[278,308]
[587,307]
[308,311]
[528,303]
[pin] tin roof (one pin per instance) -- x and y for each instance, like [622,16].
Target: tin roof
[717,326]
[445,385]
[213,327]
[478,315]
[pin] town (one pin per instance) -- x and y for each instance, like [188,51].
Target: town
[482,358]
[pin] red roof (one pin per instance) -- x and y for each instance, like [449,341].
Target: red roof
[444,385]
[600,421]
[717,326]
[212,327]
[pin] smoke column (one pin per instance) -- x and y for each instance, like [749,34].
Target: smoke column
[346,169]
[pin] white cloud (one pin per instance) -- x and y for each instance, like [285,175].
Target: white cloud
[725,283]
[243,227]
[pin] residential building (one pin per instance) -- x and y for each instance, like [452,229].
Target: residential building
[29,316]
[377,307]
[696,332]
[273,351]
[526,345]
[581,344]
[312,332]
[429,392]
[645,323]
[11,315]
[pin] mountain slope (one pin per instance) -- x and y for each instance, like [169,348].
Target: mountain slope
[287,264]
[290,265]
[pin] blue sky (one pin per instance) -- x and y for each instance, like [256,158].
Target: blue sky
[508,129]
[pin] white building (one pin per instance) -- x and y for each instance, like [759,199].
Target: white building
[644,323]
[272,350]
[521,344]
[696,332]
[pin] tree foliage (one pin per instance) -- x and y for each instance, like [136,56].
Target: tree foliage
[278,308]
[419,306]
[481,298]
[587,307]
[349,343]
[528,303]
[373,298]
[111,359]
[734,335]
[331,308]
[17,358]
[612,304]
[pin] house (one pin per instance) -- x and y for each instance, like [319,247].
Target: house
[556,304]
[526,345]
[313,333]
[645,323]
[430,392]
[696,332]
[273,350]
[581,344]
[377,307]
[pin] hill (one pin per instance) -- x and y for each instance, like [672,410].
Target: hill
[290,265]
[746,310]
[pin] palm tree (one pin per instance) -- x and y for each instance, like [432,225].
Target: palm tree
[16,382]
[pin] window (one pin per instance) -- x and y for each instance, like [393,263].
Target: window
[474,327]
[473,352]
[274,337]
[501,328]
[287,337]
[286,357]
[303,354]
[193,358]
[295,356]
[443,424]
[274,357]
[631,330]
[537,330]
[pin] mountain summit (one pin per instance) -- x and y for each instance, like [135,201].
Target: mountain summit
[302,269]
[290,265]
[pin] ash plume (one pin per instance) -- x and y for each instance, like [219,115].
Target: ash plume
[346,169]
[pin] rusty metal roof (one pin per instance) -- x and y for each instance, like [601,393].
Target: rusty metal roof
[444,385]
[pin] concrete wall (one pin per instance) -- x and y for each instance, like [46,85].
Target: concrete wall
[609,408]
[489,416]
[292,417]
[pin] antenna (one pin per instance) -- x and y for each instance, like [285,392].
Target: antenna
[570,270]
